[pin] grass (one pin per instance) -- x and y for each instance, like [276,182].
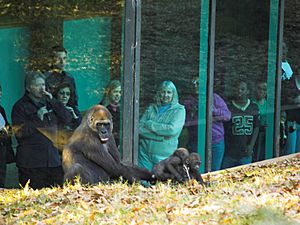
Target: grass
[261,194]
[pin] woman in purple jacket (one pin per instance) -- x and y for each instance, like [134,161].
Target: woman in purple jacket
[220,114]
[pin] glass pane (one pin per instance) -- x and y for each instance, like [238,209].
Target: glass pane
[170,39]
[33,37]
[241,77]
[290,95]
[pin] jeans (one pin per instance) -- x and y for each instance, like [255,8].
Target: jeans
[217,155]
[293,141]
[231,162]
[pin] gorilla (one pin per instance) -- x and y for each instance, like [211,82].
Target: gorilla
[190,168]
[92,155]
[167,168]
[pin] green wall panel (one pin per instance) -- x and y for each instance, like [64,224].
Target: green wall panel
[88,43]
[13,55]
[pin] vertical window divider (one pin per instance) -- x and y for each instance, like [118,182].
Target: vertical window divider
[206,75]
[128,81]
[210,84]
[276,136]
[273,83]
[136,103]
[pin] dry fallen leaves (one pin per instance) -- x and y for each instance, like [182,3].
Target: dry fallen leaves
[261,194]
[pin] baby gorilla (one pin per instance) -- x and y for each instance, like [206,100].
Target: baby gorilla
[166,169]
[190,168]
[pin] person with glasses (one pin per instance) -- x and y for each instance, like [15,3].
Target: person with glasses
[35,119]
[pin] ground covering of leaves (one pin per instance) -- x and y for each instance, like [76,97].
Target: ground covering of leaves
[261,194]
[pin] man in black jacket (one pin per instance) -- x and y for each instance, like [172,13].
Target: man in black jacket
[58,75]
[35,118]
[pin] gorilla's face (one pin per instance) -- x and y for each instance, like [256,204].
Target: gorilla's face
[195,165]
[194,161]
[100,122]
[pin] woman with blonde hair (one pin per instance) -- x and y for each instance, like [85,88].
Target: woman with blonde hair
[160,126]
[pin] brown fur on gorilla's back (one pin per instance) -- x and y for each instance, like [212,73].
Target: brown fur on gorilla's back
[166,169]
[92,154]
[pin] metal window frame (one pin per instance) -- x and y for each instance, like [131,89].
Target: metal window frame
[128,81]
[206,80]
[131,80]
[276,136]
[276,18]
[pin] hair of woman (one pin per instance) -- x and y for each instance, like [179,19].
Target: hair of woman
[113,84]
[167,84]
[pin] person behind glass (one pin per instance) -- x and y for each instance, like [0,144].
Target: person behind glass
[291,104]
[6,151]
[63,94]
[220,114]
[57,75]
[261,101]
[242,130]
[287,71]
[35,119]
[160,126]
[283,134]
[191,120]
[111,100]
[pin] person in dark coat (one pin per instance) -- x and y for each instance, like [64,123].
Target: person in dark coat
[35,120]
[58,75]
[6,151]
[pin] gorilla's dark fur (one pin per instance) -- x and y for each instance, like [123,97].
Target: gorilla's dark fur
[190,168]
[166,169]
[92,155]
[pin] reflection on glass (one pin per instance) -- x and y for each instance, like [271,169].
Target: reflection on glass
[112,100]
[189,136]
[261,100]
[160,126]
[78,43]
[290,106]
[241,54]
[242,130]
[169,51]
[220,114]
[290,95]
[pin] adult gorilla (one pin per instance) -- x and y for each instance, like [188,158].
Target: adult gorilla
[92,154]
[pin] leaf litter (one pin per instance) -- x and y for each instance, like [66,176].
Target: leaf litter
[261,194]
